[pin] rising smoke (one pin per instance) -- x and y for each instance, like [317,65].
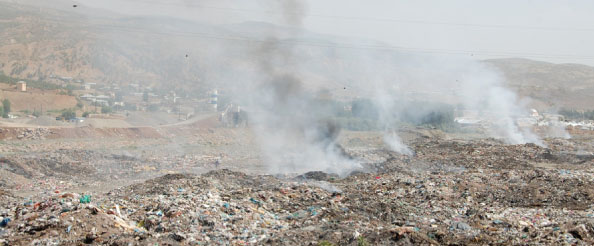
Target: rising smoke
[297,132]
[276,74]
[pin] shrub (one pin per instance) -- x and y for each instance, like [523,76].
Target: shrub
[6,106]
[106,110]
[68,114]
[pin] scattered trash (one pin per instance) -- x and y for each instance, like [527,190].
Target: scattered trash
[255,201]
[562,172]
[85,199]
[461,226]
[4,222]
[450,192]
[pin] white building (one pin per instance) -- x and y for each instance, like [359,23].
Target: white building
[22,86]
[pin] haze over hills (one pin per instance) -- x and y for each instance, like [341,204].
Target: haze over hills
[160,51]
[548,84]
[155,51]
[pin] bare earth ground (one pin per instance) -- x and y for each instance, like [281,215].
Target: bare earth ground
[202,185]
[35,99]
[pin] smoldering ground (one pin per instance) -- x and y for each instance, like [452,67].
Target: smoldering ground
[275,70]
[280,75]
[298,134]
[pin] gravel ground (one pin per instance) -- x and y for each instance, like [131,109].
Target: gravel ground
[451,192]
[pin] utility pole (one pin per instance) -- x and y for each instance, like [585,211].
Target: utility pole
[178,112]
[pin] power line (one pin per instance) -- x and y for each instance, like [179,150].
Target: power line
[337,45]
[402,49]
[374,19]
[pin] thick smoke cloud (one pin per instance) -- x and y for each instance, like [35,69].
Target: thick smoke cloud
[294,129]
[274,73]
[294,11]
[458,81]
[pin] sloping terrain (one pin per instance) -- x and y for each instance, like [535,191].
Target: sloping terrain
[550,85]
[36,100]
[43,45]
[452,192]
[158,51]
[52,44]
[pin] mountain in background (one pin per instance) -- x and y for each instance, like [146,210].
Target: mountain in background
[549,85]
[41,43]
[173,54]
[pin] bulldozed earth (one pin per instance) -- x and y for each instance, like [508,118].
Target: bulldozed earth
[209,186]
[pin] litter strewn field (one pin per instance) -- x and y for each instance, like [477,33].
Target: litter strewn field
[452,191]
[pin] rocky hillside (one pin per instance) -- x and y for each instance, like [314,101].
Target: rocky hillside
[42,44]
[548,84]
[98,46]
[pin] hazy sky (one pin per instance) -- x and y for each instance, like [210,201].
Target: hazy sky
[551,30]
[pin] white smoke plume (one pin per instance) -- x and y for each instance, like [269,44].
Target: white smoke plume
[295,131]
[280,76]
[395,144]
[396,78]
[275,71]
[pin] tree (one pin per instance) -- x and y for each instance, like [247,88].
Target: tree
[153,108]
[364,109]
[106,110]
[6,107]
[68,114]
[119,97]
[85,114]
[145,96]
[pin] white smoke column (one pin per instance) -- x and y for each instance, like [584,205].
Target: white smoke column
[393,141]
[449,79]
[294,129]
[555,128]
[483,90]
[385,102]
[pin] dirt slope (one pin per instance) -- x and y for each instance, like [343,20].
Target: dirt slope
[36,99]
[549,84]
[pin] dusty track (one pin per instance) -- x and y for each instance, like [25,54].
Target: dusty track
[9,133]
[58,132]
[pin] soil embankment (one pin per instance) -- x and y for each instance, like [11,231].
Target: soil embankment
[12,133]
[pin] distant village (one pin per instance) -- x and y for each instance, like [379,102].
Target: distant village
[112,100]
[100,100]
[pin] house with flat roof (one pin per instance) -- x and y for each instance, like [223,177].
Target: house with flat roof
[22,86]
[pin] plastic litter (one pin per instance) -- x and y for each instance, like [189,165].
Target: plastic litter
[85,199]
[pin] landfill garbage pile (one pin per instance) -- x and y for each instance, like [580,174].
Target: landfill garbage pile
[34,133]
[25,133]
[70,168]
[449,192]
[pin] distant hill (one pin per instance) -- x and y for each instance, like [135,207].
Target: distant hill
[168,53]
[38,44]
[549,85]
[42,43]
